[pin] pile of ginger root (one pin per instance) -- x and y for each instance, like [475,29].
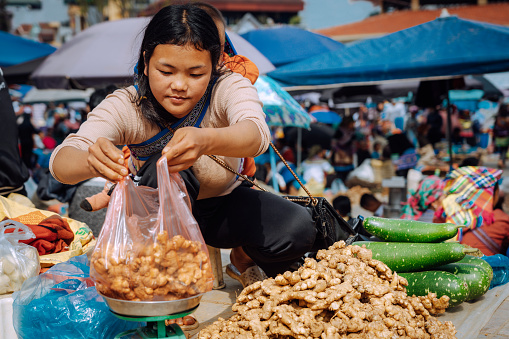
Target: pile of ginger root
[343,294]
[168,269]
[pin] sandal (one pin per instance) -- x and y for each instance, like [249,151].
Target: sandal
[181,323]
[250,276]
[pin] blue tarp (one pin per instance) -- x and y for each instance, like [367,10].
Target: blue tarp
[16,50]
[446,46]
[284,45]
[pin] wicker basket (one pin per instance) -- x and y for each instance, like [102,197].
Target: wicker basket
[382,169]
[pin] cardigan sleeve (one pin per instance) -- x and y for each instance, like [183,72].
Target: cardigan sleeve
[236,99]
[111,119]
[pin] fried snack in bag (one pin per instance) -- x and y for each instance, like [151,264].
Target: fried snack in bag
[150,247]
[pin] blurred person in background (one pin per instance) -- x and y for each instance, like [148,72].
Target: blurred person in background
[13,172]
[26,132]
[343,206]
[315,169]
[501,138]
[487,225]
[370,203]
[435,123]
[342,147]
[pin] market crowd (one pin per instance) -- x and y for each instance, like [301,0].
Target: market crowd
[345,161]
[397,139]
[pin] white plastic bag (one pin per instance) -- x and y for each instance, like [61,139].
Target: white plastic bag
[18,261]
[363,173]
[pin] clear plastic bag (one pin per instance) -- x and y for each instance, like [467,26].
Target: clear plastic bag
[62,303]
[18,261]
[150,247]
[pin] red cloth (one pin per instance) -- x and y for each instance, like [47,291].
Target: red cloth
[498,231]
[52,235]
[49,142]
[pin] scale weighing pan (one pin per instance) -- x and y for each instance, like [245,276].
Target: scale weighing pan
[151,308]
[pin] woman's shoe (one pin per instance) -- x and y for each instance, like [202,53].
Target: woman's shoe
[250,276]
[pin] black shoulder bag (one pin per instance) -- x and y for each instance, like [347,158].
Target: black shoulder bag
[330,226]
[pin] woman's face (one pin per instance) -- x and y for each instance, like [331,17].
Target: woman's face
[178,77]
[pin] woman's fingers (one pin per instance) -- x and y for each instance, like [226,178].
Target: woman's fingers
[107,160]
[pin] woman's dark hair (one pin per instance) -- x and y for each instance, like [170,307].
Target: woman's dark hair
[174,25]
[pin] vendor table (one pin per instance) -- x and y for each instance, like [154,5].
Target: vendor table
[470,318]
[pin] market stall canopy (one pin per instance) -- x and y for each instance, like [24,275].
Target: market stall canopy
[106,54]
[56,95]
[327,117]
[279,107]
[20,73]
[286,44]
[445,47]
[16,50]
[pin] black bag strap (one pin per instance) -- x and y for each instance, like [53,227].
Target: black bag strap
[225,165]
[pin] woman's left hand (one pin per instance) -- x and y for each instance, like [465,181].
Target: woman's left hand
[186,146]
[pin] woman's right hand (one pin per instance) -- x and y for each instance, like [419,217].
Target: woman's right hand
[106,160]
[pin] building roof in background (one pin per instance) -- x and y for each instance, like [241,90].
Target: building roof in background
[386,23]
[240,6]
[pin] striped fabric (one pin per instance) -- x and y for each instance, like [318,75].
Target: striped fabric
[469,196]
[429,190]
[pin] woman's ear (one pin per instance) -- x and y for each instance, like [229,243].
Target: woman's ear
[145,68]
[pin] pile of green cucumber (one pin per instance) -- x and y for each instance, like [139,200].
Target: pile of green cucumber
[416,251]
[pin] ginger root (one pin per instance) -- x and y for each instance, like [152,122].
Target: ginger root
[345,293]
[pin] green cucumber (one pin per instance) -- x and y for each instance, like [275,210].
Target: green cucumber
[477,279]
[399,230]
[470,259]
[438,282]
[412,257]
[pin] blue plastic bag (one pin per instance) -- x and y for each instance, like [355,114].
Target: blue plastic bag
[63,303]
[500,265]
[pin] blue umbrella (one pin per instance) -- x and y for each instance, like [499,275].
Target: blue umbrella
[279,106]
[16,50]
[444,47]
[280,109]
[286,44]
[327,117]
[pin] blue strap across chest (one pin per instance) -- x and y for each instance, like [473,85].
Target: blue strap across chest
[146,149]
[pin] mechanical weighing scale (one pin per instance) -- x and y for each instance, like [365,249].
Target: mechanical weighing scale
[150,312]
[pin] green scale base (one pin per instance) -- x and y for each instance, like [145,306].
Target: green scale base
[156,327]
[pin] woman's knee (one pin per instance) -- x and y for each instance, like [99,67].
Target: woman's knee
[299,229]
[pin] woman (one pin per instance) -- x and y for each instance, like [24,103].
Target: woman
[187,107]
[472,199]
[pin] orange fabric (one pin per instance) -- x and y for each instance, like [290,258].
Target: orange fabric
[32,218]
[249,167]
[245,67]
[52,234]
[242,65]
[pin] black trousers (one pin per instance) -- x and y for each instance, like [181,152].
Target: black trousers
[273,231]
